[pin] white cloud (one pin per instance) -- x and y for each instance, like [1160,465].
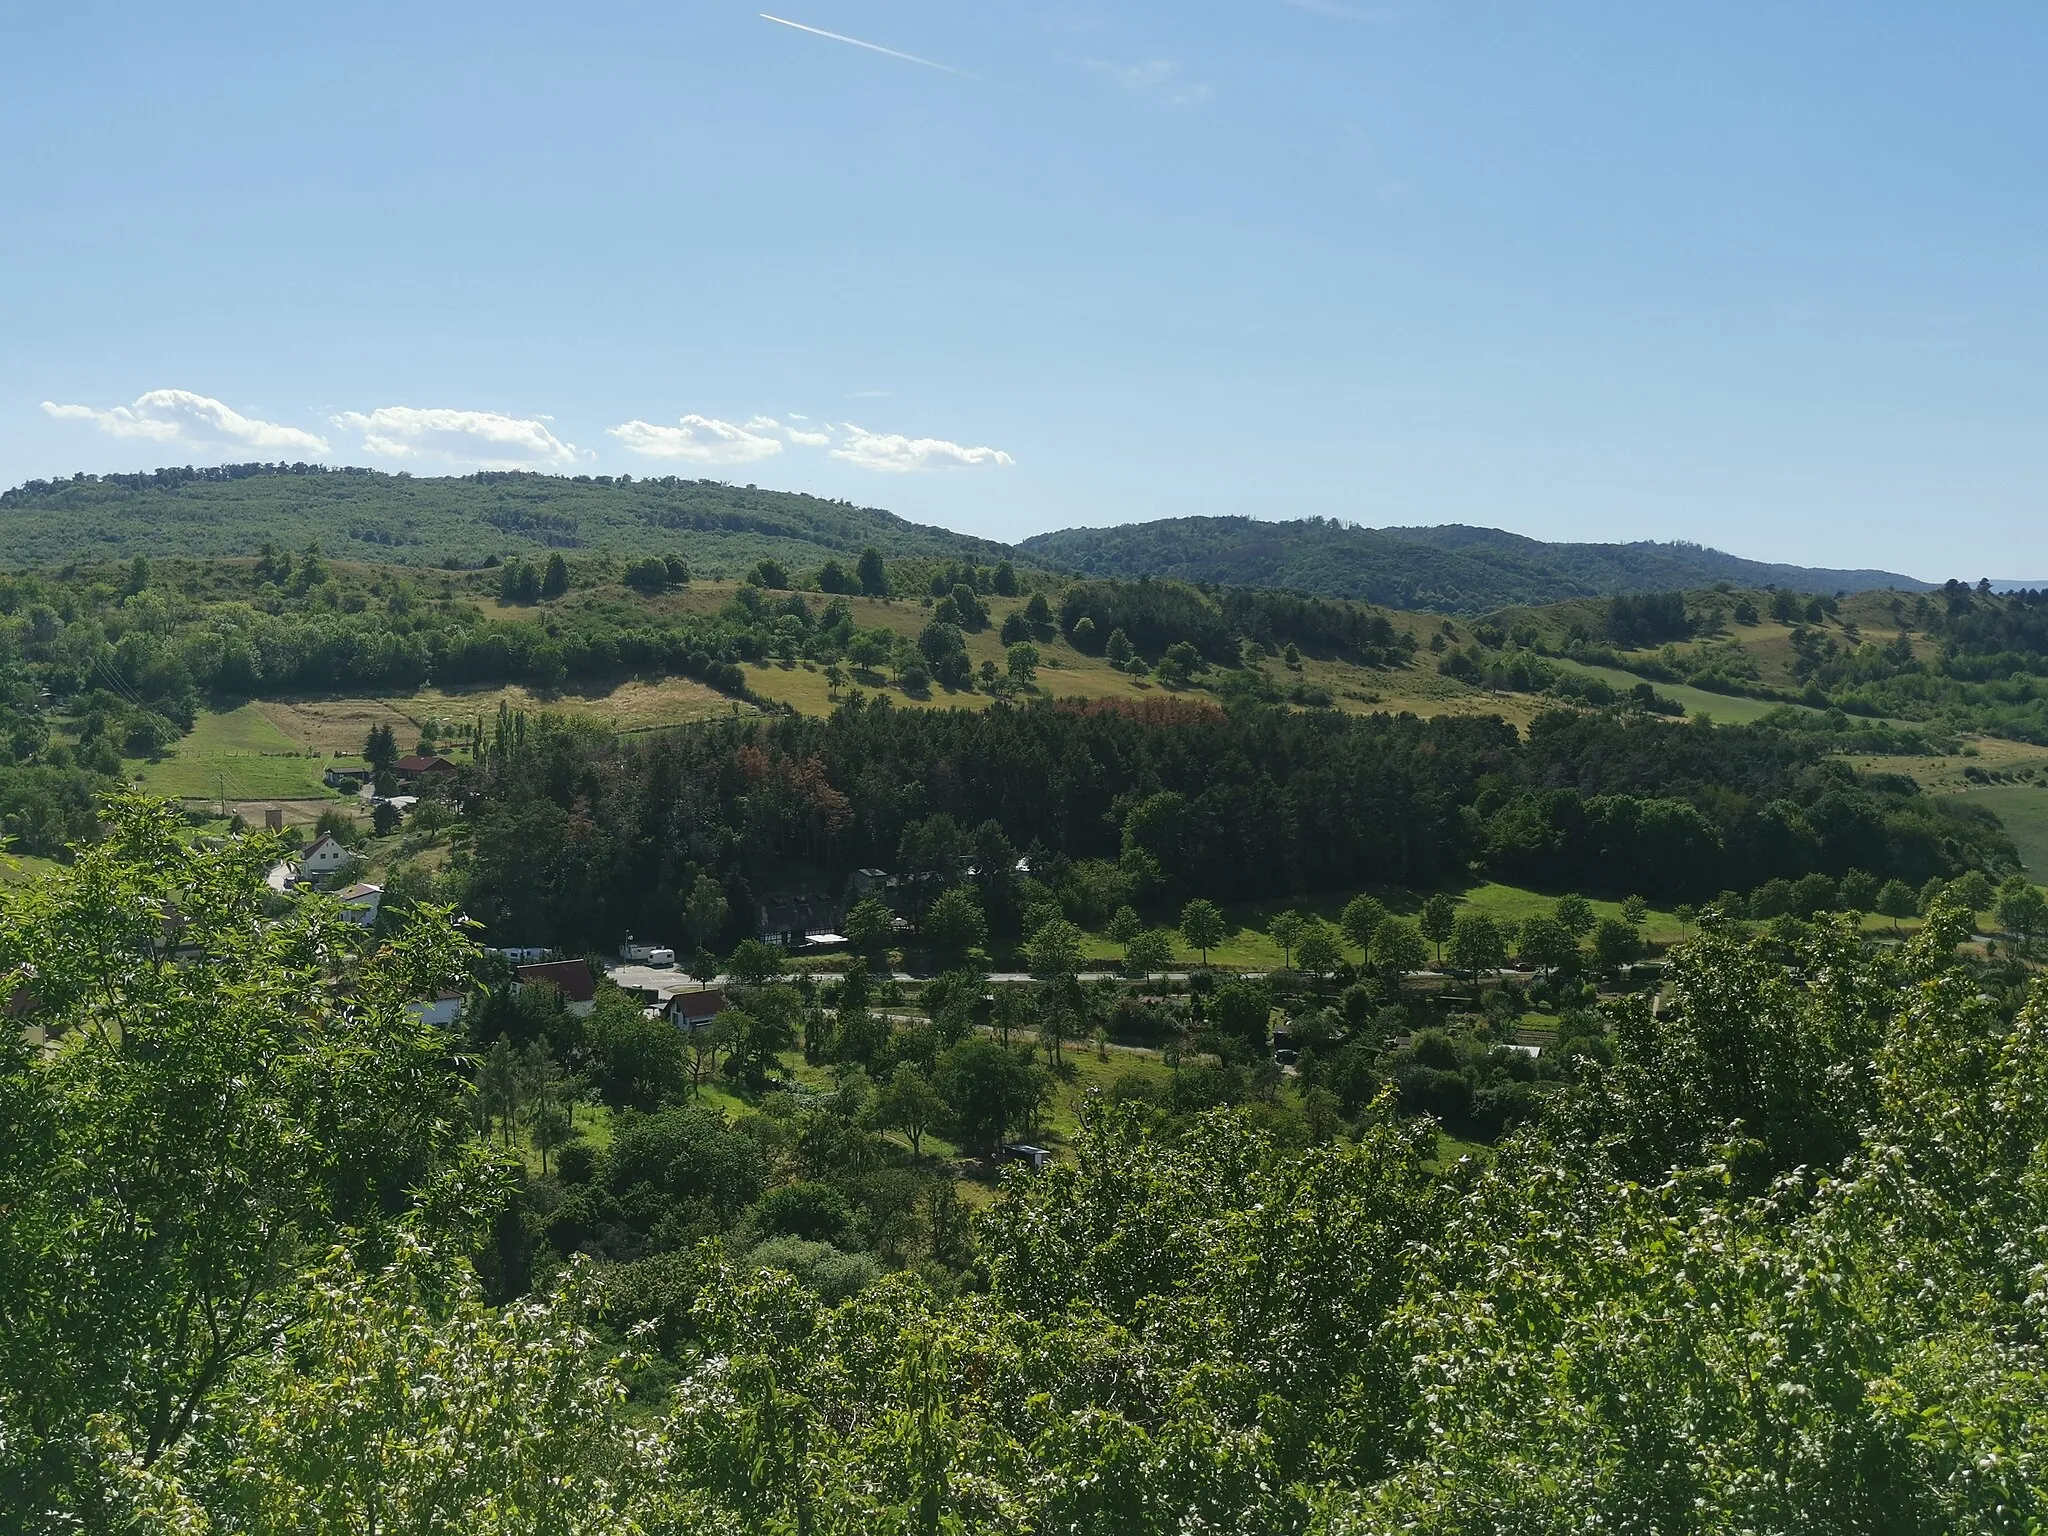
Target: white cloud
[701,440]
[804,437]
[485,439]
[178,415]
[1157,79]
[892,453]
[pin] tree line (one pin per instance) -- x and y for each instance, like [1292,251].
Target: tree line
[578,837]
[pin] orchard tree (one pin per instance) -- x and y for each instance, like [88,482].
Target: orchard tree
[1361,920]
[1286,929]
[1397,948]
[1973,889]
[1616,944]
[955,924]
[910,1104]
[755,963]
[870,925]
[987,1088]
[1201,924]
[1054,951]
[1124,926]
[1575,915]
[1545,944]
[1895,900]
[1475,945]
[1243,1010]
[1318,949]
[2022,910]
[1439,920]
[1149,951]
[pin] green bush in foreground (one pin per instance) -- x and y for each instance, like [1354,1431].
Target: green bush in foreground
[1778,1268]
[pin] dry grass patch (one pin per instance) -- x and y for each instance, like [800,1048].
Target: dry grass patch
[332,725]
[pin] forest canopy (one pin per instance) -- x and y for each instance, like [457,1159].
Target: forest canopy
[1775,1267]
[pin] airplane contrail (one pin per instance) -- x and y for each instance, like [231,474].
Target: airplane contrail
[840,37]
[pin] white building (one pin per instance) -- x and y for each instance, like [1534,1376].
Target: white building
[360,904]
[325,857]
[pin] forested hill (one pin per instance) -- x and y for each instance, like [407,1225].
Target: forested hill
[1455,568]
[360,514]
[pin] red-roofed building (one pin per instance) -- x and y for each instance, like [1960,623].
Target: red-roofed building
[693,1010]
[571,978]
[416,766]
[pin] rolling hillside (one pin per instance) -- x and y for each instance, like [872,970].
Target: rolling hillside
[366,515]
[1454,568]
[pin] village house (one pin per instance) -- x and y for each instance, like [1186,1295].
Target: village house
[571,978]
[692,1011]
[445,1010]
[794,922]
[323,858]
[418,766]
[361,903]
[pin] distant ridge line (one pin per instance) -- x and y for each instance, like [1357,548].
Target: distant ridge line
[1454,567]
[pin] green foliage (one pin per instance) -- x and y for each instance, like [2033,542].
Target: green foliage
[955,924]
[1286,929]
[1461,569]
[1149,951]
[1242,1009]
[1547,943]
[1054,951]
[1317,951]
[1022,661]
[1438,921]
[528,1427]
[1475,944]
[1575,915]
[637,1062]
[202,1133]
[2022,909]
[910,1104]
[870,925]
[1397,948]
[988,1088]
[1361,920]
[1770,1263]
[1201,925]
[1616,943]
[367,515]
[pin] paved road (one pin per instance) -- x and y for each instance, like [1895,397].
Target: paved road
[650,976]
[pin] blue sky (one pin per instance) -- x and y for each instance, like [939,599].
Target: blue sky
[1771,277]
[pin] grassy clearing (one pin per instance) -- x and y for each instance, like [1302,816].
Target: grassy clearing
[25,868]
[2022,807]
[1950,774]
[1088,1073]
[635,705]
[241,755]
[333,727]
[1724,708]
[2023,810]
